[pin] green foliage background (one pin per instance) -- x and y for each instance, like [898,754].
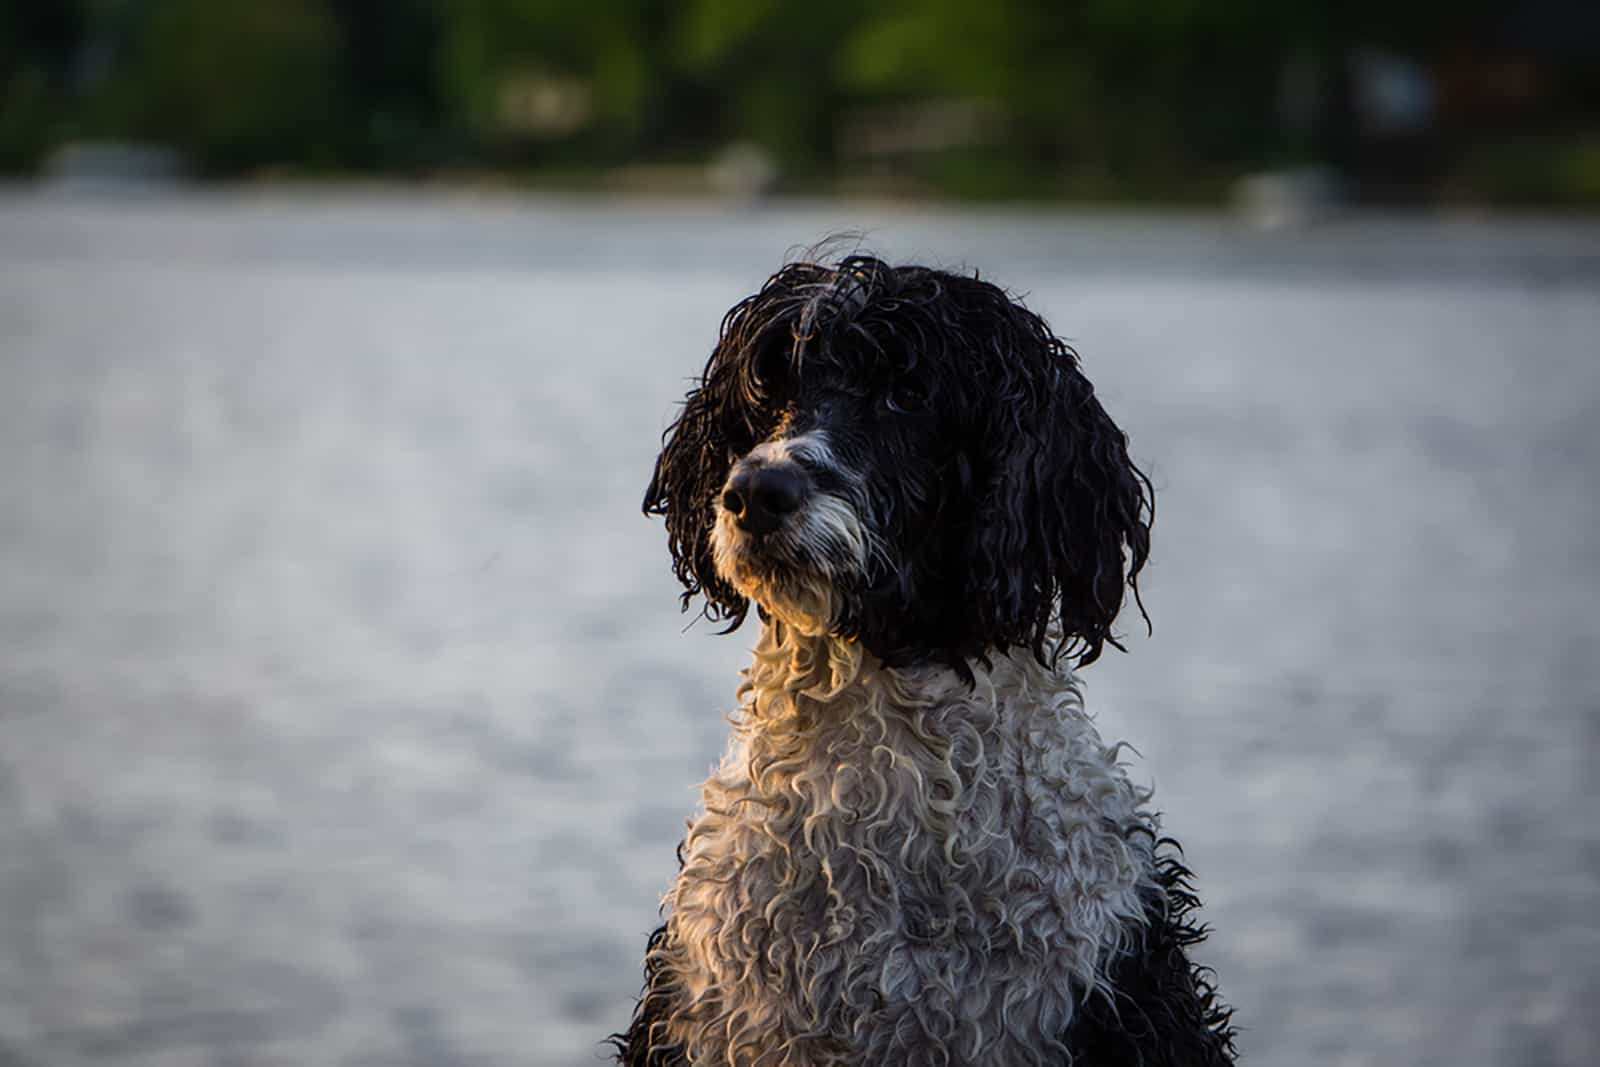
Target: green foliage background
[1165,99]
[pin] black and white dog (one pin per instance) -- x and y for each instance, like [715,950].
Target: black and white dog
[917,849]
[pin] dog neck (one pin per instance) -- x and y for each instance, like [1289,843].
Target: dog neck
[794,674]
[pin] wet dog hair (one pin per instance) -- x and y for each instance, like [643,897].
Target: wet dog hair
[917,848]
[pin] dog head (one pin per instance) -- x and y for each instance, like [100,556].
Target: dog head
[906,457]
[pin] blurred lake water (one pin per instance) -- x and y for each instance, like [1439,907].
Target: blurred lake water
[348,717]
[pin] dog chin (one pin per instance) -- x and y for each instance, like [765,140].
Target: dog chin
[764,568]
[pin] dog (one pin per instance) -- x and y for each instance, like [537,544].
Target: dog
[917,849]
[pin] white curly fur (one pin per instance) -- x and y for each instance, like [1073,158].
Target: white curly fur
[894,868]
[797,577]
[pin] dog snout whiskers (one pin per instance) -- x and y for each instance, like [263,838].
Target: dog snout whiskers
[760,498]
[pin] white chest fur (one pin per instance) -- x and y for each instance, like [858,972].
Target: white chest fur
[892,867]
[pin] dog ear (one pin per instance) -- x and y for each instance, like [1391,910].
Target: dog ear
[732,408]
[1063,527]
[696,455]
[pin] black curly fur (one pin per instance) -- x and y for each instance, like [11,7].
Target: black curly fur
[1162,1009]
[642,1044]
[986,459]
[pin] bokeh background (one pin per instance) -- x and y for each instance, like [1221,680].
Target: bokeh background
[1456,101]
[346,713]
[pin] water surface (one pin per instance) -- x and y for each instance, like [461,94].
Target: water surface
[348,717]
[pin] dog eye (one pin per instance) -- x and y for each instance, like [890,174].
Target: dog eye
[771,371]
[904,398]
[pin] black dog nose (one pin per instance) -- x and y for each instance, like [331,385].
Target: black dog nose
[760,498]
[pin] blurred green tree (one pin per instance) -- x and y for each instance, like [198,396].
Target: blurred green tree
[774,69]
[39,40]
[237,85]
[521,72]
[388,53]
[1100,87]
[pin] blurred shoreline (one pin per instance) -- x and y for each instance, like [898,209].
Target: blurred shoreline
[393,224]
[646,188]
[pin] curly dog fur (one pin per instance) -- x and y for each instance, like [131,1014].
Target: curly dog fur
[917,849]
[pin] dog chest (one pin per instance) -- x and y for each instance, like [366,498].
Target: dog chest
[904,862]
